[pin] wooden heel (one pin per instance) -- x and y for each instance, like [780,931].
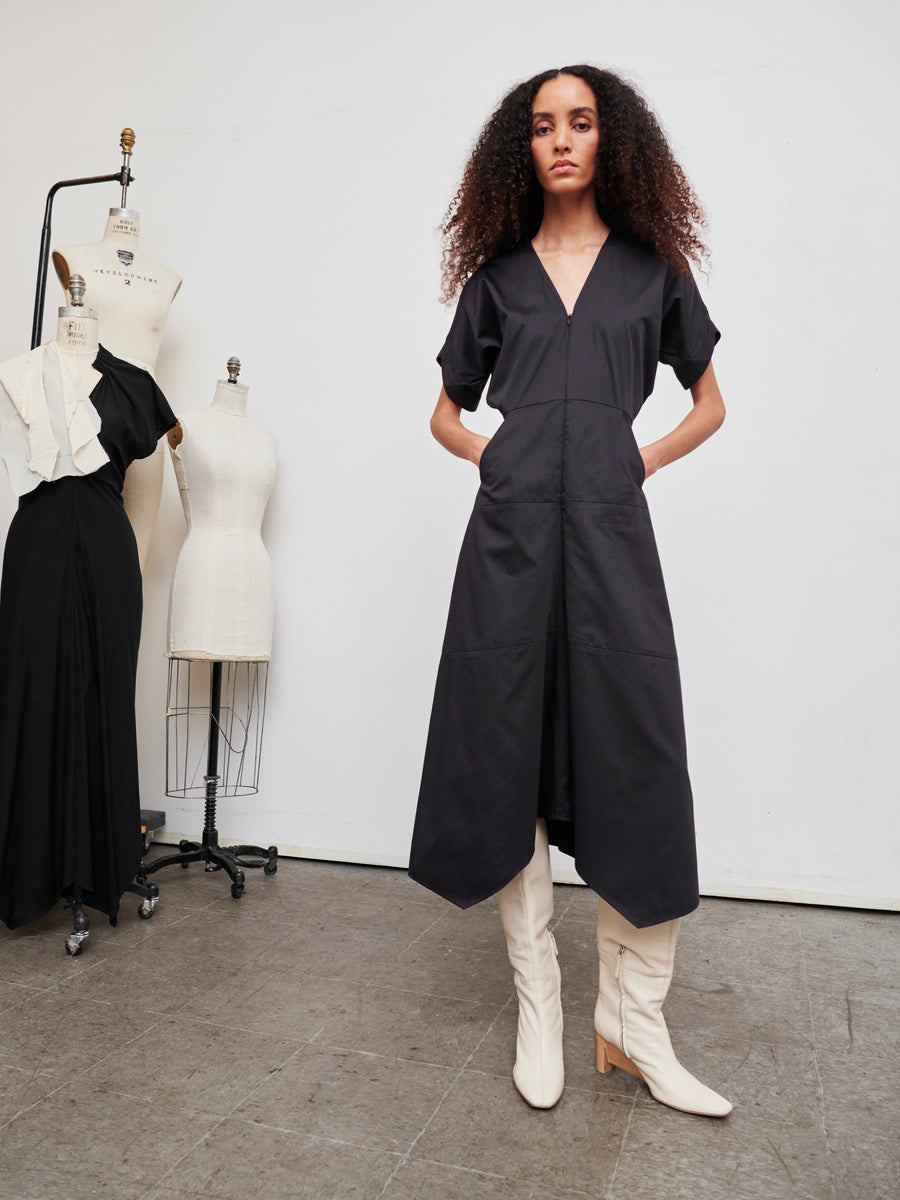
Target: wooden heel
[604,1066]
[609,1056]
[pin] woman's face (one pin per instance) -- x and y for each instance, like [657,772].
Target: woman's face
[564,135]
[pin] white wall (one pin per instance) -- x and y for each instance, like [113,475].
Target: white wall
[292,163]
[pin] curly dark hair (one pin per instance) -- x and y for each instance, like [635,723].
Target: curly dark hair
[640,188]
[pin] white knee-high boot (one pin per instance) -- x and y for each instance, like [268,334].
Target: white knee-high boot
[526,908]
[636,968]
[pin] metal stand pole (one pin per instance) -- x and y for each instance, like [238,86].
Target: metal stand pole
[122,176]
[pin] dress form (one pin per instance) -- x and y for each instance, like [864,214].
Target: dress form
[220,622]
[222,600]
[48,425]
[72,418]
[78,337]
[133,293]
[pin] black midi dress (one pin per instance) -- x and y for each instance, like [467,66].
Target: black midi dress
[558,692]
[70,623]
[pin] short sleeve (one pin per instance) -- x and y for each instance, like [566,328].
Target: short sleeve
[165,418]
[467,356]
[687,335]
[151,416]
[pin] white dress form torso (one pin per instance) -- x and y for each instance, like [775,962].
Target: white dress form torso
[132,293]
[222,600]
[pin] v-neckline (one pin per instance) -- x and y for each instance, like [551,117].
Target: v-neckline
[587,277]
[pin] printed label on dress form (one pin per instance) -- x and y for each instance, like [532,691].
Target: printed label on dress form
[125,227]
[75,332]
[127,277]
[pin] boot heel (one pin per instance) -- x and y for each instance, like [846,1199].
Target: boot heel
[601,1047]
[609,1056]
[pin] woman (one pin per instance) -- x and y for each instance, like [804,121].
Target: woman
[557,713]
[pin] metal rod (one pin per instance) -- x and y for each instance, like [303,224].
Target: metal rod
[123,177]
[44,255]
[215,712]
[212,757]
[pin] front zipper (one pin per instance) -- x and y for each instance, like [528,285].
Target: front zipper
[565,429]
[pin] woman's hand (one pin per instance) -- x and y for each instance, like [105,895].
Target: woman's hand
[449,430]
[702,421]
[479,441]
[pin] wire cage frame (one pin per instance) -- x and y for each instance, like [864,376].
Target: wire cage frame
[191,712]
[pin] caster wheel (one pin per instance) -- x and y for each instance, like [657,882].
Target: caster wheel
[270,868]
[237,890]
[75,942]
[145,911]
[184,866]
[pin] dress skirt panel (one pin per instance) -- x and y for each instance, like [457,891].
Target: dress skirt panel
[558,692]
[482,766]
[70,615]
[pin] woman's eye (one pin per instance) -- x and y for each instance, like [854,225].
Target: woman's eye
[541,129]
[581,126]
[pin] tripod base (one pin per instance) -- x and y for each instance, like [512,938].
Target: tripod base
[234,860]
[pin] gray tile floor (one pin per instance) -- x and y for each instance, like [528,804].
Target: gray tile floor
[340,1032]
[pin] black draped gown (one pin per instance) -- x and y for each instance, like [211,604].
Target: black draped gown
[70,624]
[558,692]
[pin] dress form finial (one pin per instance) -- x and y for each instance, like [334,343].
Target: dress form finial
[77,287]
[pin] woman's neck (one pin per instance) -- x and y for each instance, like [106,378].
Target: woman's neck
[231,398]
[123,228]
[78,336]
[570,223]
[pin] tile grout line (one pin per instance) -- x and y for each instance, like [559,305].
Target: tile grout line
[124,1046]
[612,1182]
[815,1050]
[437,920]
[576,1193]
[405,1157]
[21,1112]
[221,1121]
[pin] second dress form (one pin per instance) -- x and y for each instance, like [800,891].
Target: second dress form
[133,294]
[222,600]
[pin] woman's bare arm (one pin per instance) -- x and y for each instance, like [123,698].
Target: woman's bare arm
[449,430]
[700,423]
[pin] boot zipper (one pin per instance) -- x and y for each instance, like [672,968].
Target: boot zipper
[619,963]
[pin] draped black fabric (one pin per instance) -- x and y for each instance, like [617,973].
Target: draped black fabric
[558,693]
[70,621]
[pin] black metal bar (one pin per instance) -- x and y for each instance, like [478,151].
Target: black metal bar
[124,178]
[210,833]
[215,713]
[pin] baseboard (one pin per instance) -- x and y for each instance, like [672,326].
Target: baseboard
[563,875]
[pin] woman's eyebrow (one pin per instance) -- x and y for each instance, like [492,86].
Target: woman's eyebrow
[584,108]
